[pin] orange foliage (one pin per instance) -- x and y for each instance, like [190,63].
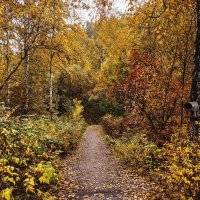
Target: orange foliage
[151,94]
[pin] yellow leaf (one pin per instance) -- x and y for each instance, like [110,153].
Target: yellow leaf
[12,180]
[44,179]
[30,189]
[7,193]
[15,160]
[32,181]
[39,193]
[9,171]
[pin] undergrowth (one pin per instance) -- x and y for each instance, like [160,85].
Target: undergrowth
[175,165]
[30,153]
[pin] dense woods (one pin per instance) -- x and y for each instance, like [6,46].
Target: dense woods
[130,72]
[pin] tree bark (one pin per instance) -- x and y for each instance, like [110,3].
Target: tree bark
[7,68]
[27,62]
[185,64]
[51,86]
[27,82]
[195,90]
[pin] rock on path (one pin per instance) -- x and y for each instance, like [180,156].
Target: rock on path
[93,174]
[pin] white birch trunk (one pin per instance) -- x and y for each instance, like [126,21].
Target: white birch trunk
[51,85]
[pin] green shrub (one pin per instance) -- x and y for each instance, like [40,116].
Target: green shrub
[29,152]
[136,151]
[98,107]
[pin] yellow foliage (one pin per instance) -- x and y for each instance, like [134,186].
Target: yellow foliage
[182,174]
[78,109]
[29,166]
[29,183]
[7,194]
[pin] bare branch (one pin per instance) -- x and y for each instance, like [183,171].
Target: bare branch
[12,72]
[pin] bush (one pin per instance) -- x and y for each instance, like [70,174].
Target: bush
[97,108]
[136,151]
[112,125]
[29,152]
[182,167]
[176,165]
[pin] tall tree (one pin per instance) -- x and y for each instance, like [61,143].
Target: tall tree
[7,48]
[195,90]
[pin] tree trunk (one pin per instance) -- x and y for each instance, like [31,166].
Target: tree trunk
[185,63]
[7,68]
[51,85]
[195,90]
[27,83]
[27,63]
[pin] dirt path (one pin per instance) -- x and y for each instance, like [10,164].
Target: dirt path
[93,174]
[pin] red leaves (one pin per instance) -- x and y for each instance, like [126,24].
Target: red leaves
[150,94]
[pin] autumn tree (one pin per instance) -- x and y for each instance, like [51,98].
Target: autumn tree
[158,67]
[195,90]
[27,20]
[113,40]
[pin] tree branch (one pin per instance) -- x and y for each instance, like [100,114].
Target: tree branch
[12,72]
[161,13]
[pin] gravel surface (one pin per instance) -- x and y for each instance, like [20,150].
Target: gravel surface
[92,173]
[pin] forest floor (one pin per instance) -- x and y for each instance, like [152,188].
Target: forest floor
[92,173]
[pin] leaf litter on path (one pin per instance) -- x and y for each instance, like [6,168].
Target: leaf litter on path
[91,173]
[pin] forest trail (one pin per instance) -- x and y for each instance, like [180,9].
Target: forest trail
[93,174]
